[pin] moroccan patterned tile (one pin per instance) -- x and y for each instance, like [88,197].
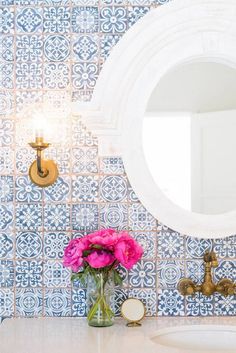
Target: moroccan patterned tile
[108,41]
[7,20]
[25,99]
[29,75]
[141,2]
[113,19]
[7,132]
[62,158]
[29,48]
[78,302]
[29,273]
[29,245]
[132,197]
[225,247]
[6,245]
[6,48]
[195,270]
[120,296]
[169,272]
[81,137]
[26,191]
[111,165]
[196,248]
[28,2]
[226,269]
[56,75]
[85,188]
[114,216]
[6,217]
[84,75]
[59,191]
[170,244]
[140,219]
[148,297]
[199,305]
[56,19]
[113,188]
[85,160]
[56,217]
[7,302]
[7,76]
[29,302]
[28,216]
[82,95]
[143,274]
[57,302]
[24,159]
[225,306]
[6,188]
[135,13]
[29,20]
[6,273]
[85,217]
[56,2]
[54,244]
[148,242]
[6,103]
[6,2]
[85,19]
[85,47]
[55,274]
[56,47]
[170,303]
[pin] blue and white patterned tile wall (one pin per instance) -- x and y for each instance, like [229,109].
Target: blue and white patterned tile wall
[56,48]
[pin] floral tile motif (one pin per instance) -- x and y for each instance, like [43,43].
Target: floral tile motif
[29,20]
[6,132]
[169,272]
[6,160]
[6,245]
[82,95]
[140,218]
[7,76]
[113,188]
[6,217]
[225,247]
[29,245]
[114,216]
[85,47]
[108,41]
[170,244]
[85,19]
[29,273]
[54,244]
[29,302]
[111,165]
[59,191]
[25,99]
[141,2]
[78,302]
[113,19]
[6,188]
[6,48]
[56,2]
[6,273]
[195,270]
[148,242]
[29,76]
[148,297]
[24,158]
[84,75]
[196,248]
[57,217]
[143,274]
[57,302]
[225,306]
[29,48]
[199,305]
[135,13]
[85,188]
[7,302]
[26,191]
[56,19]
[170,303]
[226,269]
[120,296]
[85,217]
[28,216]
[85,160]
[62,157]
[7,20]
[56,47]
[81,137]
[56,75]
[6,103]
[55,275]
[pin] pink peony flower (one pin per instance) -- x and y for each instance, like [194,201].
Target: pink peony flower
[73,254]
[106,238]
[127,251]
[99,259]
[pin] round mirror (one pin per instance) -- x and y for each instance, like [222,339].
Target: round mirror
[133,311]
[189,139]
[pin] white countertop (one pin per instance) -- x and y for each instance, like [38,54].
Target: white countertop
[73,335]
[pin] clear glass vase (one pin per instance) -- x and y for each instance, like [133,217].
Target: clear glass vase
[100,299]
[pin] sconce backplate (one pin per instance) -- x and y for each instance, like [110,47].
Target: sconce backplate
[47,180]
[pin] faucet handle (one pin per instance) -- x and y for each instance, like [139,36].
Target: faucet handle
[186,286]
[226,287]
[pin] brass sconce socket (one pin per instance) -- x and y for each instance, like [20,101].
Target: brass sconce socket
[42,172]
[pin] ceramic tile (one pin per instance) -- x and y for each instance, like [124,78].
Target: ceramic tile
[148,242]
[111,165]
[29,302]
[114,216]
[196,247]
[6,188]
[29,76]
[170,303]
[55,274]
[85,188]
[195,270]
[143,274]
[226,269]
[113,188]
[62,158]
[169,273]
[81,137]
[59,191]
[6,48]
[57,302]
[6,103]
[54,244]
[140,218]
[7,302]
[135,13]
[56,76]
[28,216]
[148,297]
[56,217]
[7,22]
[29,48]
[113,19]
[24,159]
[7,132]
[225,247]
[6,217]
[170,244]
[84,19]
[56,19]
[84,75]
[7,273]
[29,245]
[26,191]
[29,273]
[29,20]
[85,47]
[7,76]
[225,306]
[85,217]
[78,302]
[120,296]
[108,41]
[85,160]
[56,47]
[199,305]
[6,245]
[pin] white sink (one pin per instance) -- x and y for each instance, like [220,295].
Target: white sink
[199,338]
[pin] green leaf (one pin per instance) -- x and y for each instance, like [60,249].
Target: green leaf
[117,278]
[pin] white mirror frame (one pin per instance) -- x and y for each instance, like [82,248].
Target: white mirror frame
[179,32]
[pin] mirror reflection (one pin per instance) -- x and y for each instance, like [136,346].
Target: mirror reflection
[189,137]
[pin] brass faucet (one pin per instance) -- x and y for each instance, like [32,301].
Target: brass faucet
[225,286]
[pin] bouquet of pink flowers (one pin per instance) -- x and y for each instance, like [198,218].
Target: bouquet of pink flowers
[100,253]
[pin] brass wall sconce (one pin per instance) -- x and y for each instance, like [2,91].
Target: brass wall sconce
[42,172]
